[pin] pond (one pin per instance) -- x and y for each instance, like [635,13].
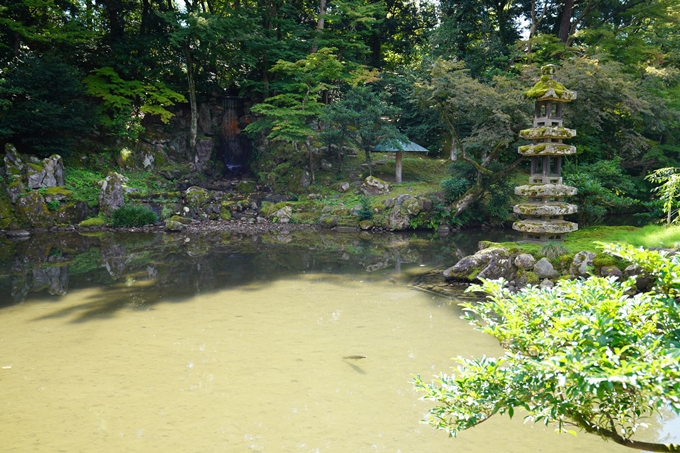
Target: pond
[237,343]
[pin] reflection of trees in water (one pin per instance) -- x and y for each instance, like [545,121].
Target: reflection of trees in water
[140,269]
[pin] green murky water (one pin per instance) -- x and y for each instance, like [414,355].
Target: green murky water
[145,343]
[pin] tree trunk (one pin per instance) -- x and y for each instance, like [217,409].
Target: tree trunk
[454,151]
[565,20]
[192,98]
[368,161]
[319,25]
[311,160]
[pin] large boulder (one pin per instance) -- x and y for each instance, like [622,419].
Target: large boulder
[196,197]
[112,194]
[204,150]
[375,186]
[32,210]
[490,263]
[48,173]
[412,206]
[283,215]
[13,163]
[396,220]
[544,269]
[581,264]
[525,261]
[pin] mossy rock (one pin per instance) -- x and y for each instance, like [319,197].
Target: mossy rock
[267,208]
[180,219]
[602,260]
[6,212]
[196,197]
[366,224]
[36,167]
[58,190]
[532,278]
[32,210]
[225,213]
[245,188]
[328,221]
[305,218]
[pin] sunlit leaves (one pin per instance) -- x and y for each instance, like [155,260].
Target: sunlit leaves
[588,353]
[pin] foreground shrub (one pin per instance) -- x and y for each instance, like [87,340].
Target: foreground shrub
[588,354]
[133,216]
[92,222]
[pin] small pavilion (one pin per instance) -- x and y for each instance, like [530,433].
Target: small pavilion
[399,148]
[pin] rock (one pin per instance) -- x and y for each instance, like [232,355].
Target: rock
[412,206]
[401,199]
[643,281]
[196,197]
[339,210]
[525,261]
[204,149]
[54,171]
[328,221]
[608,271]
[547,284]
[35,174]
[343,187]
[326,165]
[13,163]
[299,179]
[375,186]
[365,225]
[31,209]
[283,215]
[204,121]
[582,261]
[544,269]
[492,263]
[443,229]
[18,233]
[15,188]
[397,220]
[111,196]
[389,203]
[427,204]
[174,226]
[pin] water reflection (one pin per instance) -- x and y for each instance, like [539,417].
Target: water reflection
[153,265]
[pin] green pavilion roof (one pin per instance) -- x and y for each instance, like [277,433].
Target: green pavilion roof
[402,146]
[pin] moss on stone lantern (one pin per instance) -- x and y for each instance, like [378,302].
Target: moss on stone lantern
[545,207]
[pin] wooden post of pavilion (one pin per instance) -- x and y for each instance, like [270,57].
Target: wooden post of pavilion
[400,148]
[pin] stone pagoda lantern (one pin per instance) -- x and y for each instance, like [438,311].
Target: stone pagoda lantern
[545,206]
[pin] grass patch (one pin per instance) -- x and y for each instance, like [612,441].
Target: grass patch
[133,216]
[93,222]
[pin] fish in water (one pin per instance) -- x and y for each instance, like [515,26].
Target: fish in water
[353,357]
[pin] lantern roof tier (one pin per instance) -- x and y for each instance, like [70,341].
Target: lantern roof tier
[552,208]
[545,191]
[547,149]
[547,132]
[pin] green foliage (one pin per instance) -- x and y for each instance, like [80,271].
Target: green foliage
[53,205]
[365,212]
[84,184]
[553,250]
[585,353]
[133,216]
[46,109]
[602,188]
[124,102]
[669,190]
